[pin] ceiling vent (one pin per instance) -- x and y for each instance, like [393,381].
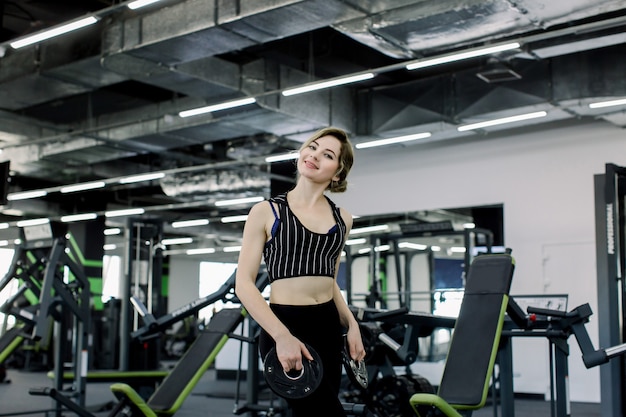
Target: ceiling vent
[498,74]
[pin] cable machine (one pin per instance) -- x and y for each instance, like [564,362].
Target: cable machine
[142,279]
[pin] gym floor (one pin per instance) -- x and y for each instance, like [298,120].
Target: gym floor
[211,397]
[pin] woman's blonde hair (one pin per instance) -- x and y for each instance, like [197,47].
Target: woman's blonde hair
[346,156]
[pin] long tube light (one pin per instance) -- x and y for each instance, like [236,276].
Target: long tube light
[83,187]
[177,241]
[26,195]
[609,103]
[57,31]
[462,55]
[282,157]
[411,245]
[190,223]
[358,241]
[125,212]
[389,141]
[142,177]
[327,84]
[236,201]
[503,120]
[134,5]
[216,107]
[199,251]
[232,249]
[32,222]
[78,217]
[234,219]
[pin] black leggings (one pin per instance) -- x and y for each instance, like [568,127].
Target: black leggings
[319,327]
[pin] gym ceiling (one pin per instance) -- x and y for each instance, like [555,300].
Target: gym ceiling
[103,102]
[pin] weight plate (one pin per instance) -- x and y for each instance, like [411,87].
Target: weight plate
[296,384]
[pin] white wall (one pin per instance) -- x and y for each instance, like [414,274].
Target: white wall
[544,179]
[184,281]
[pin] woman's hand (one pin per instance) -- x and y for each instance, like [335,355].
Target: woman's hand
[291,351]
[355,343]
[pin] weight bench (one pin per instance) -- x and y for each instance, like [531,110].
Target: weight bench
[474,345]
[178,384]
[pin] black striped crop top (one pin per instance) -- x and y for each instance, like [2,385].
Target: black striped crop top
[295,251]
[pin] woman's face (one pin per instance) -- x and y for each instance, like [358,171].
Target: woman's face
[319,161]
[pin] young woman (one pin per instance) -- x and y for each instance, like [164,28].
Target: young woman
[300,235]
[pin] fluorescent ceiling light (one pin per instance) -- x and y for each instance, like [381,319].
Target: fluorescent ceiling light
[236,201]
[282,157]
[112,231]
[457,249]
[142,177]
[190,223]
[82,187]
[4,243]
[382,248]
[32,222]
[232,249]
[462,55]
[13,212]
[216,107]
[234,219]
[134,5]
[78,217]
[469,225]
[369,229]
[125,212]
[411,245]
[51,33]
[358,241]
[200,251]
[504,120]
[177,241]
[364,251]
[4,225]
[327,84]
[609,103]
[26,195]
[389,141]
[109,246]
[435,248]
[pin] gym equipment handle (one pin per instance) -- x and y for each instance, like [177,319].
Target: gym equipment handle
[368,314]
[381,315]
[403,354]
[139,306]
[546,312]
[387,340]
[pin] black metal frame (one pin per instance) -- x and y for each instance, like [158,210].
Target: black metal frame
[610,194]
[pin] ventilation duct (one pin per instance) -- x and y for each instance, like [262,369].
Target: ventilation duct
[216,184]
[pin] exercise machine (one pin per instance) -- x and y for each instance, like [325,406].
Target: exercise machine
[467,375]
[610,213]
[557,326]
[391,340]
[172,392]
[179,382]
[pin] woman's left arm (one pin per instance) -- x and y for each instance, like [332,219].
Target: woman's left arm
[355,342]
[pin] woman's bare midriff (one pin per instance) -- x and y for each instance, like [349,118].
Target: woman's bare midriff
[302,290]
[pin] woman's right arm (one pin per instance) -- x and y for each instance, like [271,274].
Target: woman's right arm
[288,348]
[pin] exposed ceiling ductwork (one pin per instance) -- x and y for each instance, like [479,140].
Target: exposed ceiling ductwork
[105,102]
